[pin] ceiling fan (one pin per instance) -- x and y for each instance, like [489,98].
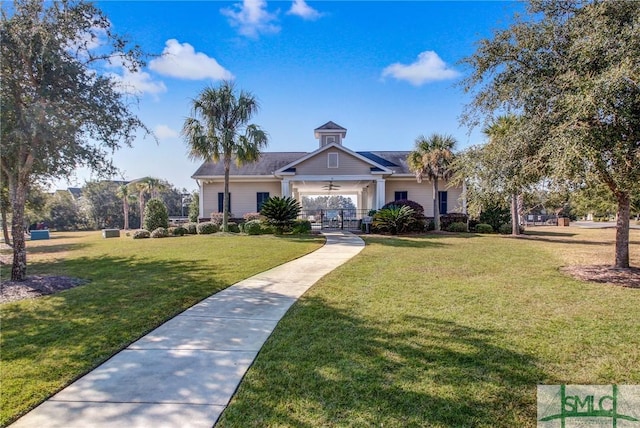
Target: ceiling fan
[329,187]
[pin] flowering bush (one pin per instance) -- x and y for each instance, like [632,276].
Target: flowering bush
[141,234]
[252,216]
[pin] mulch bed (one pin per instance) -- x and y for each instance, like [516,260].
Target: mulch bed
[606,275]
[35,286]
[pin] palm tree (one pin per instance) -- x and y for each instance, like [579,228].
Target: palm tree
[432,158]
[143,186]
[124,193]
[218,129]
[500,132]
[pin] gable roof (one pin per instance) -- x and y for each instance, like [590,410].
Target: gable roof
[330,126]
[333,146]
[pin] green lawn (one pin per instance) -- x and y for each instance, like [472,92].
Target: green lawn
[135,285]
[447,331]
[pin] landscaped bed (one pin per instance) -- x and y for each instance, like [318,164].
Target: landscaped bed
[448,331]
[122,288]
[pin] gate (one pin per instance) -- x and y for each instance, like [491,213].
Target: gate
[336,219]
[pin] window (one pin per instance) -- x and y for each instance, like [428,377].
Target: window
[220,201]
[401,195]
[332,160]
[261,199]
[442,202]
[331,139]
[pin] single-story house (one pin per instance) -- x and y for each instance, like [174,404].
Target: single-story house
[370,178]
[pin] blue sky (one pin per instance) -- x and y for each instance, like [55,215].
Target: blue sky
[386,71]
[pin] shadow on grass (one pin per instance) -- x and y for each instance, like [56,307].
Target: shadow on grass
[84,326]
[55,248]
[530,232]
[325,367]
[417,241]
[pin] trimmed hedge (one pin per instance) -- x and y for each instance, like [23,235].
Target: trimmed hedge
[457,227]
[484,228]
[207,228]
[141,234]
[192,228]
[160,232]
[301,226]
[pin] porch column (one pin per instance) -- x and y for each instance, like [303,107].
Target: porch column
[380,192]
[200,199]
[285,188]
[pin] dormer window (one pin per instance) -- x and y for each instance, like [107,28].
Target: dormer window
[332,160]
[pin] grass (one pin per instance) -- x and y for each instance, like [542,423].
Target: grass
[445,330]
[135,285]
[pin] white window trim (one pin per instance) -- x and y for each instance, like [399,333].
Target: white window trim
[329,156]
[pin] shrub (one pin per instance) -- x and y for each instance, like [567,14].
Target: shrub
[448,219]
[216,218]
[457,227]
[178,231]
[192,228]
[281,212]
[253,227]
[484,228]
[155,215]
[495,215]
[160,232]
[233,227]
[393,219]
[251,216]
[207,228]
[418,222]
[505,229]
[141,234]
[416,207]
[301,226]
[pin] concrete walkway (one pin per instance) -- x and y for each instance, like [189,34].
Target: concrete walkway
[184,373]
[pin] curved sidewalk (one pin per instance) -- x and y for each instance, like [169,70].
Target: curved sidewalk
[184,373]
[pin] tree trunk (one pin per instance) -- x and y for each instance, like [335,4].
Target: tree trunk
[125,208]
[18,195]
[141,205]
[436,205]
[622,231]
[225,197]
[5,229]
[515,223]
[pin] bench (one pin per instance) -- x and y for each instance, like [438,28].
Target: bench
[39,234]
[110,233]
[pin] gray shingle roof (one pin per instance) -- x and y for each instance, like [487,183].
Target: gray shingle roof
[330,125]
[266,165]
[273,161]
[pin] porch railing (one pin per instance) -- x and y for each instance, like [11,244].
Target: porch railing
[342,218]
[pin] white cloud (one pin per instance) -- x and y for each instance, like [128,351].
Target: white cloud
[137,83]
[182,61]
[427,68]
[252,18]
[163,132]
[302,9]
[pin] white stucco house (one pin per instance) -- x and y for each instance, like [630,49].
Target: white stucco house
[370,178]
